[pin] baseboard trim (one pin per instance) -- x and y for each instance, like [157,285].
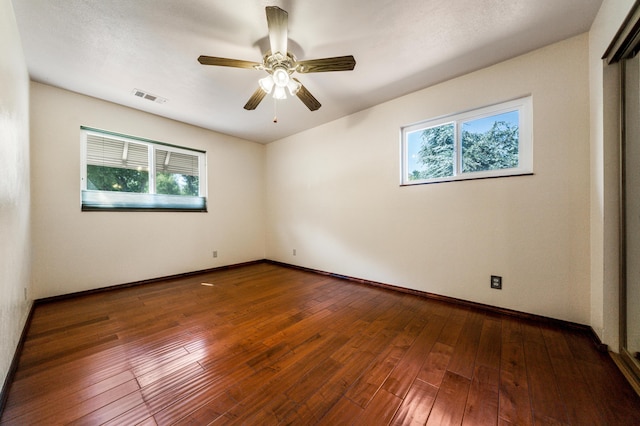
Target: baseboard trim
[13,367]
[601,347]
[142,282]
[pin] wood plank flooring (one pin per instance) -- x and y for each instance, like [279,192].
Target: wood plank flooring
[266,344]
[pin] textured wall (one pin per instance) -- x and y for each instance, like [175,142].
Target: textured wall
[15,261]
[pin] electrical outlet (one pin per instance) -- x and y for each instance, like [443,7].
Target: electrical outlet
[215,254]
[294,252]
[496,282]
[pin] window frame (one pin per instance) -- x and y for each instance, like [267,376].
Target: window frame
[523,105]
[97,200]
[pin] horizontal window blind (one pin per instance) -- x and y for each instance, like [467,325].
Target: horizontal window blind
[176,163]
[108,152]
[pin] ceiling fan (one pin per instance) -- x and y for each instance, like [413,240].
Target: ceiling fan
[281,64]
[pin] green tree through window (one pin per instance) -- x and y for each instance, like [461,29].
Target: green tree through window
[176,184]
[436,153]
[494,149]
[117,179]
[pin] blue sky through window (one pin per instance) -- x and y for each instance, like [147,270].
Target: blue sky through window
[482,125]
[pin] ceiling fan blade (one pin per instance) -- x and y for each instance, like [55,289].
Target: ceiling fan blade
[307,98]
[226,62]
[255,99]
[277,22]
[339,63]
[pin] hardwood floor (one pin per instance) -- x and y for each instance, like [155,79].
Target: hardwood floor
[265,344]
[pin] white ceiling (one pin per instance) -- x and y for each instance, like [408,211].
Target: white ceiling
[106,48]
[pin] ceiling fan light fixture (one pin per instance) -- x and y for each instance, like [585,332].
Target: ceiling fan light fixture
[293,87]
[279,93]
[281,77]
[266,84]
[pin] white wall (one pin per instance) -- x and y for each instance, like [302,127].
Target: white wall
[15,258]
[333,195]
[604,174]
[75,251]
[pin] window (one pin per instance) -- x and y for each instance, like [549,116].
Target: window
[126,173]
[487,142]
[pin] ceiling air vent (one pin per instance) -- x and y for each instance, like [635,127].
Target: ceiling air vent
[146,95]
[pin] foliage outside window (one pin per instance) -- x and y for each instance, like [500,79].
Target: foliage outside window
[487,142]
[126,173]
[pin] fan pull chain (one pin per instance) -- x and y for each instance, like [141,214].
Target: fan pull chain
[275,110]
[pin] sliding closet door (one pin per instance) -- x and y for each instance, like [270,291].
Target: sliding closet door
[622,55]
[631,194]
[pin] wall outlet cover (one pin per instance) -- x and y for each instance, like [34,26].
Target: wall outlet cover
[496,282]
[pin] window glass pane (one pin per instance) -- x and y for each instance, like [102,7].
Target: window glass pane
[490,143]
[176,173]
[115,165]
[430,152]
